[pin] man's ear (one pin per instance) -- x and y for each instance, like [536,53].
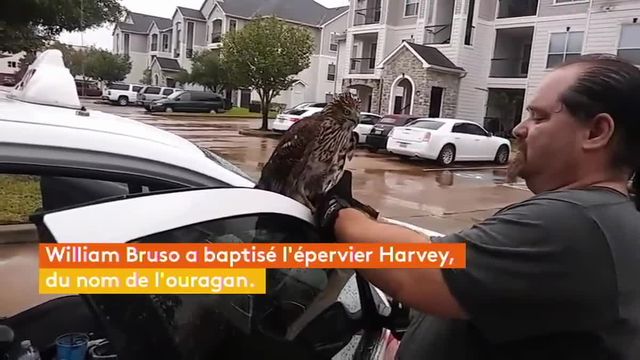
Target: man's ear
[601,129]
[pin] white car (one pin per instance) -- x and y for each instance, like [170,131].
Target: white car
[122,94]
[108,179]
[149,93]
[447,141]
[284,121]
[367,121]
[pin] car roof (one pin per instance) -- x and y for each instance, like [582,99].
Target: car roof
[448,120]
[34,114]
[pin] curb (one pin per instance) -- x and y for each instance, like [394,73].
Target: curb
[18,234]
[209,115]
[260,133]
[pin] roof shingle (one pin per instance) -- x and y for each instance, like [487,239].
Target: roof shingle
[141,23]
[191,13]
[433,56]
[303,11]
[168,64]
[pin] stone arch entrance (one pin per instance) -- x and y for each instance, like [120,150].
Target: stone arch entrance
[401,96]
[365,94]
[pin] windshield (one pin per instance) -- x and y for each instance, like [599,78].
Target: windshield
[175,94]
[426,124]
[390,120]
[225,164]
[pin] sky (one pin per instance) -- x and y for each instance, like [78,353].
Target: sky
[101,37]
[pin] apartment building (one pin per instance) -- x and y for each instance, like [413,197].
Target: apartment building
[167,45]
[474,59]
[9,65]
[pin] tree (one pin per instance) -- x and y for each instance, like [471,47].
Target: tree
[107,67]
[265,55]
[209,70]
[146,77]
[27,25]
[182,77]
[73,59]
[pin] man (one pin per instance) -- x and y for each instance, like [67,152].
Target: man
[556,276]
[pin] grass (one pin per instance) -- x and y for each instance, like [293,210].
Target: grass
[19,198]
[244,113]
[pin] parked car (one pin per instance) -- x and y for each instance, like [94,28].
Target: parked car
[153,186]
[122,94]
[8,80]
[304,105]
[190,101]
[367,121]
[284,121]
[88,88]
[447,141]
[377,138]
[149,93]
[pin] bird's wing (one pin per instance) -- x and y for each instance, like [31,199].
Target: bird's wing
[290,151]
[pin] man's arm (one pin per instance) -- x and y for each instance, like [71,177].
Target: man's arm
[421,289]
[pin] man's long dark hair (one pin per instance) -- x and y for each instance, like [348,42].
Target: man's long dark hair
[610,85]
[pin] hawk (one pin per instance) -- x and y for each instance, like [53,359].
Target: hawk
[311,156]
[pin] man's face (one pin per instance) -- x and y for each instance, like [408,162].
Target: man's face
[549,138]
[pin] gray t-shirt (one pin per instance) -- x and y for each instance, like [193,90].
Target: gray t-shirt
[554,277]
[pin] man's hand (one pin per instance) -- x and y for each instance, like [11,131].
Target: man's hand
[337,198]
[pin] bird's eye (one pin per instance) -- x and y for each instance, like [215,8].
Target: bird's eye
[347,112]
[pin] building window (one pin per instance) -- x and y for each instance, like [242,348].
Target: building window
[564,46]
[568,1]
[126,44]
[154,42]
[165,42]
[331,73]
[333,47]
[117,43]
[12,64]
[232,25]
[410,7]
[629,45]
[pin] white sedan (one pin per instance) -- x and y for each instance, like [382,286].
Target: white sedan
[447,141]
[284,121]
[367,120]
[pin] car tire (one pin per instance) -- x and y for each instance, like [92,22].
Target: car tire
[447,155]
[372,150]
[213,111]
[502,155]
[123,101]
[168,109]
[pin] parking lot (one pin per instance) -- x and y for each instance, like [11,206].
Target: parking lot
[419,192]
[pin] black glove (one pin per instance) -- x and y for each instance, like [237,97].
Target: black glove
[337,198]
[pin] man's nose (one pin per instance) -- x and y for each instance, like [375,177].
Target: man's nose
[520,131]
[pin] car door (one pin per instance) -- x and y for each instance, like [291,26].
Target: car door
[279,319]
[461,138]
[182,102]
[166,92]
[482,147]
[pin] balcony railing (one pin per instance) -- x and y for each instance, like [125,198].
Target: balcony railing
[437,34]
[362,65]
[366,16]
[509,68]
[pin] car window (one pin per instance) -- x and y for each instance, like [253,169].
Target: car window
[175,94]
[226,320]
[366,120]
[118,87]
[24,194]
[297,112]
[167,91]
[476,130]
[185,96]
[152,90]
[388,120]
[137,88]
[427,124]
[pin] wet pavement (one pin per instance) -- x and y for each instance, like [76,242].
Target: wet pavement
[414,191]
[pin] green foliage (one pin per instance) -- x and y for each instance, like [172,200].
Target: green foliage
[265,55]
[27,25]
[73,59]
[210,71]
[146,77]
[19,198]
[182,77]
[107,67]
